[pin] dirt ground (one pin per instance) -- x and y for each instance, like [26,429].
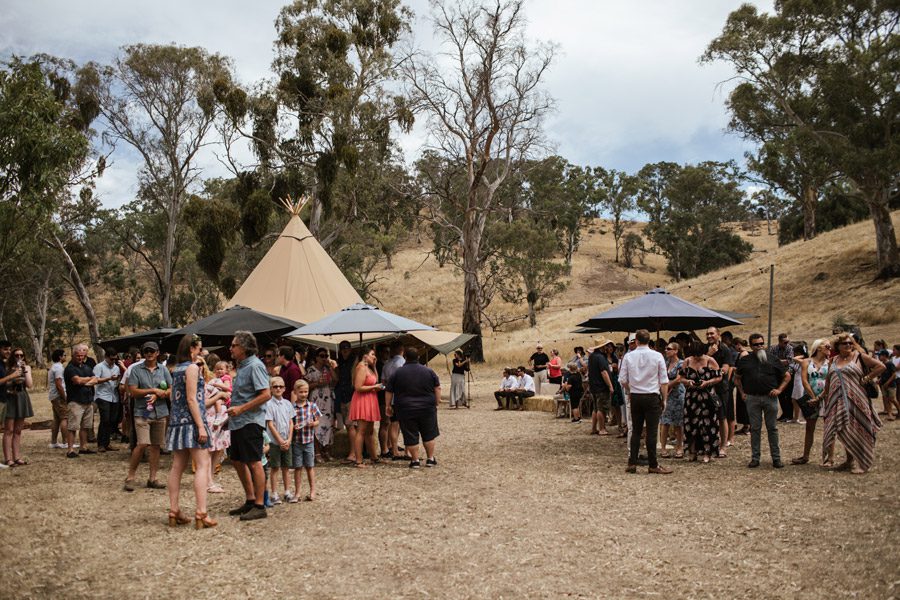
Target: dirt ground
[521,505]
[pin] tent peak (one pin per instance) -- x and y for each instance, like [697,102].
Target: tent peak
[294,206]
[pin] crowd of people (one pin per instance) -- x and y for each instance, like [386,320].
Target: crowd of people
[695,396]
[270,414]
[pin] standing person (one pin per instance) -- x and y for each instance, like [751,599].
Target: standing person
[414,392]
[643,375]
[761,378]
[573,386]
[538,362]
[56,393]
[218,395]
[673,415]
[554,368]
[106,394]
[288,370]
[601,386]
[269,354]
[700,373]
[458,380]
[187,434]
[150,385]
[725,358]
[390,367]
[246,421]
[887,383]
[321,379]
[343,394]
[849,416]
[306,421]
[579,359]
[18,407]
[813,372]
[740,406]
[80,381]
[364,407]
[783,352]
[280,424]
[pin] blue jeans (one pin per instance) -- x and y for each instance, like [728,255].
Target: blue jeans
[759,407]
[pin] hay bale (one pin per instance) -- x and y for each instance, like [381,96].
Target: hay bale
[541,403]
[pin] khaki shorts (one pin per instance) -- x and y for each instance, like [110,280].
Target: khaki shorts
[150,432]
[60,410]
[80,416]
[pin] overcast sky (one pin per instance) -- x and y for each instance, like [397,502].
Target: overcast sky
[628,86]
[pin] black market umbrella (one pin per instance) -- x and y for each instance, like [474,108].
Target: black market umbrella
[657,310]
[359,319]
[217,329]
[123,343]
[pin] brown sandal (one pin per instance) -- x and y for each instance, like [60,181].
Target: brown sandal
[176,518]
[202,521]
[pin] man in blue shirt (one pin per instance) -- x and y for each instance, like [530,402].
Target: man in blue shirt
[246,421]
[150,384]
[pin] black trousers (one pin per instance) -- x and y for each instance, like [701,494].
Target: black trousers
[645,408]
[740,408]
[109,418]
[784,399]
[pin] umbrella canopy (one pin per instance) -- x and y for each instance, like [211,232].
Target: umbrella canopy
[360,319]
[218,328]
[123,343]
[657,310]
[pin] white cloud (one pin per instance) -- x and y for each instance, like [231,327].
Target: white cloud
[627,81]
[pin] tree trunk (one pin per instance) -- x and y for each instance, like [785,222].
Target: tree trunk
[570,246]
[165,293]
[885,237]
[473,230]
[388,261]
[315,216]
[531,298]
[84,298]
[810,197]
[37,331]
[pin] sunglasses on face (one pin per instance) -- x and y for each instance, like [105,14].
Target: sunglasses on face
[277,387]
[149,351]
[270,356]
[19,355]
[845,344]
[758,345]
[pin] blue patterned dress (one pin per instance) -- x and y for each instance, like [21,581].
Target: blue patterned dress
[181,434]
[674,413]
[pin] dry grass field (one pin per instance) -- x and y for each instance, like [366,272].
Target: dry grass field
[522,505]
[815,282]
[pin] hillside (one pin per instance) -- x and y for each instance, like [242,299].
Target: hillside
[815,282]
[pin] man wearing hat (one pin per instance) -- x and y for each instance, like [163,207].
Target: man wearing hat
[601,387]
[538,362]
[150,384]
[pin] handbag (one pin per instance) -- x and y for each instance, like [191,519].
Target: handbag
[870,387]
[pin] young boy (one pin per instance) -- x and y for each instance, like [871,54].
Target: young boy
[280,424]
[306,419]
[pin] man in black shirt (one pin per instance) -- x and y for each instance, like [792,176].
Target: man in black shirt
[601,386]
[80,381]
[761,377]
[414,391]
[538,362]
[724,357]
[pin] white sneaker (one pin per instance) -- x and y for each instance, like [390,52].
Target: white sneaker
[275,499]
[75,445]
[62,446]
[3,465]
[53,446]
[288,496]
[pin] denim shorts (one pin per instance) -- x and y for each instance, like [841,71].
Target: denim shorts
[304,454]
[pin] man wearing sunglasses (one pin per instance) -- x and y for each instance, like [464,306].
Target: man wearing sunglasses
[150,384]
[761,378]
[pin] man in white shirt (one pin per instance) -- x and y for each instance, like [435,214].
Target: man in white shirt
[524,388]
[507,385]
[642,374]
[56,393]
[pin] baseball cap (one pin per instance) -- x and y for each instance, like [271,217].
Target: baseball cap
[631,338]
[150,346]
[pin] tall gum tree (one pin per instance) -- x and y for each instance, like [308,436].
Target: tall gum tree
[846,55]
[485,107]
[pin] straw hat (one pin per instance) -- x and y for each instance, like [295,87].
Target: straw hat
[602,341]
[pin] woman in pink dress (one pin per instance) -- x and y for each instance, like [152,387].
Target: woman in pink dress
[364,406]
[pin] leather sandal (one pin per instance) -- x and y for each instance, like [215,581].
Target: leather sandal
[202,521]
[176,518]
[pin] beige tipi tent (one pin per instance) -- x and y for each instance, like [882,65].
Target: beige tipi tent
[296,278]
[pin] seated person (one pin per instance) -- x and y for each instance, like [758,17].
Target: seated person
[524,388]
[507,385]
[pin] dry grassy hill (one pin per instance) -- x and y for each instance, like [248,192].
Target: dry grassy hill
[815,282]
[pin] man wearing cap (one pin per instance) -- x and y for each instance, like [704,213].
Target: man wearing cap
[643,375]
[150,384]
[538,362]
[600,385]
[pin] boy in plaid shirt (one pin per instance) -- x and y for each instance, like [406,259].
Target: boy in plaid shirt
[306,419]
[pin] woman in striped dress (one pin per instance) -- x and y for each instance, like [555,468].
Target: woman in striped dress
[848,413]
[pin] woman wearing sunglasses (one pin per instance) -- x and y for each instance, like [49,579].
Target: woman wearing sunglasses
[321,378]
[18,408]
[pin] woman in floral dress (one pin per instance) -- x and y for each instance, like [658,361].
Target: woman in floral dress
[700,373]
[321,378]
[673,415]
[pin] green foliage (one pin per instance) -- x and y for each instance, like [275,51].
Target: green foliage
[694,204]
[633,248]
[617,194]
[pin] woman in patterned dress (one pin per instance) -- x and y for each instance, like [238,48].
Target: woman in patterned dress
[321,378]
[813,372]
[187,435]
[700,373]
[848,414]
[673,415]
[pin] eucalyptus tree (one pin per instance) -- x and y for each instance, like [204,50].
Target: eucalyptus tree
[485,108]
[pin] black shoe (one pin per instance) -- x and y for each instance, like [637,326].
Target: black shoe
[398,457]
[414,464]
[752,464]
[240,510]
[255,512]
[87,451]
[72,454]
[431,462]
[777,464]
